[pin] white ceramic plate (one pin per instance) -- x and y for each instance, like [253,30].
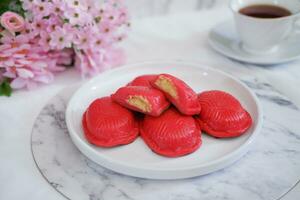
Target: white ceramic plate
[136,159]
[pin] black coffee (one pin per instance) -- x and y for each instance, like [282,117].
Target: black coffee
[265,11]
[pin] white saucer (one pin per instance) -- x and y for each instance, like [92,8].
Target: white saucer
[224,39]
[136,159]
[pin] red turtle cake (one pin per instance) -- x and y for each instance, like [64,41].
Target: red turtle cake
[107,124]
[222,115]
[144,80]
[178,93]
[171,134]
[142,99]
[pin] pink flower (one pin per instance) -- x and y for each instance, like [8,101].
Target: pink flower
[86,65]
[42,9]
[85,37]
[45,40]
[102,41]
[77,17]
[37,26]
[28,63]
[78,5]
[107,28]
[52,23]
[56,33]
[61,38]
[12,22]
[27,4]
[91,61]
[62,59]
[10,40]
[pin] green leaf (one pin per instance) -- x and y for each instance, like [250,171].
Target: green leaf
[11,5]
[16,6]
[5,89]
[4,5]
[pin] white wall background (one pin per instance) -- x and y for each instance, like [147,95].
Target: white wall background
[144,8]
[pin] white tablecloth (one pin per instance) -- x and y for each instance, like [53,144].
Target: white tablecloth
[172,37]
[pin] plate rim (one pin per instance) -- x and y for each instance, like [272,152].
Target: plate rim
[228,158]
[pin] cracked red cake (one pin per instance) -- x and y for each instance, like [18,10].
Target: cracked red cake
[142,99]
[178,93]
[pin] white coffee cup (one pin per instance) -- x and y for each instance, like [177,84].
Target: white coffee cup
[263,35]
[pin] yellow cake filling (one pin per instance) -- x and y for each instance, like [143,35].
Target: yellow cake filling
[140,102]
[167,86]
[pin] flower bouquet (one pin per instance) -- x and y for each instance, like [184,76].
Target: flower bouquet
[39,38]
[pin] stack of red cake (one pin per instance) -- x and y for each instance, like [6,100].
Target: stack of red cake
[173,116]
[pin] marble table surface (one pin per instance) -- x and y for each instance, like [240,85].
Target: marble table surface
[252,177]
[180,36]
